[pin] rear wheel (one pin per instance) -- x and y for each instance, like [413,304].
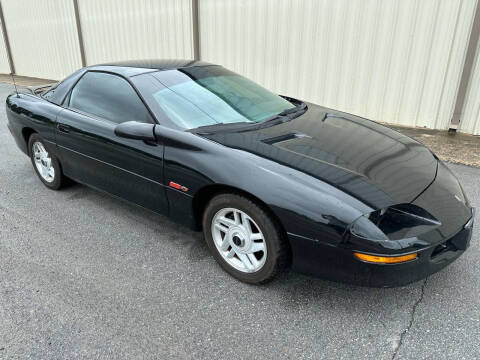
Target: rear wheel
[244,239]
[45,163]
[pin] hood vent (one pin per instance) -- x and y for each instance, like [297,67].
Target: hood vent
[285,137]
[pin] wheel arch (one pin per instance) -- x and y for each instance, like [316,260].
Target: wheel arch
[26,133]
[205,194]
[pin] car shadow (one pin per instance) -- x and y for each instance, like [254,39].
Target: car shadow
[296,290]
[174,232]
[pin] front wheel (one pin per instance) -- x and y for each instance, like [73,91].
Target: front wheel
[244,239]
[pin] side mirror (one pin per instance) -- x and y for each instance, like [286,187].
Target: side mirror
[135,130]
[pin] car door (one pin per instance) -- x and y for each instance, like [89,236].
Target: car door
[91,153]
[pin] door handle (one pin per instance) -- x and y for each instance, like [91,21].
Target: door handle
[63,128]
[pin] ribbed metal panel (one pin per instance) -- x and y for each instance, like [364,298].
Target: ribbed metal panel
[4,65]
[397,61]
[470,120]
[142,29]
[42,37]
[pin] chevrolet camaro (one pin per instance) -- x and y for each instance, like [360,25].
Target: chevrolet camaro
[273,182]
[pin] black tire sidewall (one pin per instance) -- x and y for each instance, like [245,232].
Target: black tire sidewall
[272,235]
[57,181]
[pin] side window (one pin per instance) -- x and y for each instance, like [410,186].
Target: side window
[109,97]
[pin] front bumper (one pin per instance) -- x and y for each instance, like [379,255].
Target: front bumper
[339,264]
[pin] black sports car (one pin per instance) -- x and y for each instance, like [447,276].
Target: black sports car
[272,181]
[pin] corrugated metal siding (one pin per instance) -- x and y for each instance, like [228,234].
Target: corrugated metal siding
[4,65]
[42,37]
[397,61]
[470,120]
[128,29]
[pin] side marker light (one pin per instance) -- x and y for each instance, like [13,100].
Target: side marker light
[385,259]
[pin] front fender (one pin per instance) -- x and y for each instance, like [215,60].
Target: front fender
[306,206]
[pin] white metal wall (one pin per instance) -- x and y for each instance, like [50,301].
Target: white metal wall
[470,120]
[4,65]
[129,29]
[43,37]
[397,61]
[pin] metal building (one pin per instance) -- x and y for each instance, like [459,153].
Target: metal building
[406,62]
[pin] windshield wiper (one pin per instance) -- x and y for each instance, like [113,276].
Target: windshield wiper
[284,116]
[207,129]
[293,110]
[287,114]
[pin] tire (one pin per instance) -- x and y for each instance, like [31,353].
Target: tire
[227,234]
[53,179]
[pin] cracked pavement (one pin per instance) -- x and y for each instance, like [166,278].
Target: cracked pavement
[412,319]
[84,275]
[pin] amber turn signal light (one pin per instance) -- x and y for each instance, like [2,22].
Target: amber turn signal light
[385,259]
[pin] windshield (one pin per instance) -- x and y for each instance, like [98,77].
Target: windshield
[210,95]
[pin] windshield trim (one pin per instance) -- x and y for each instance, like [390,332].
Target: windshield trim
[301,108]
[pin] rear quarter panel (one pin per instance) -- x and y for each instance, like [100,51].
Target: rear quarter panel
[27,113]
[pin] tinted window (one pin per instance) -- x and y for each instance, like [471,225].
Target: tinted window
[211,95]
[109,97]
[49,94]
[59,91]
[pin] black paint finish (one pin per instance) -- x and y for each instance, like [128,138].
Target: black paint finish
[91,153]
[318,174]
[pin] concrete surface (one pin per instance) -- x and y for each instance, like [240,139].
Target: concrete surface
[452,147]
[83,275]
[24,80]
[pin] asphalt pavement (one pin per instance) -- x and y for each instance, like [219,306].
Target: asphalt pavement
[84,275]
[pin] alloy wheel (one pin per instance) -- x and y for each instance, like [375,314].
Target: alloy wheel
[239,240]
[43,162]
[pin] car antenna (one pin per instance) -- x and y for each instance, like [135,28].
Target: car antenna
[14,84]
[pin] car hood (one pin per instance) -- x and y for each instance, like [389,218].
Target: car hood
[371,162]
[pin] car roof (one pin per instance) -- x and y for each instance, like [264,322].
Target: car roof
[136,67]
[123,68]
